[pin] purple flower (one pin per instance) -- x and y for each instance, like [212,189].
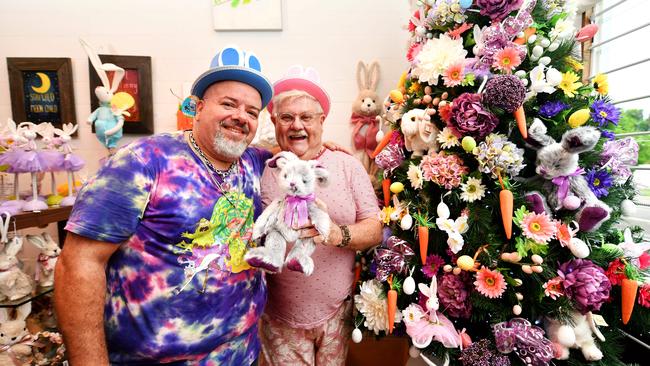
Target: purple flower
[432,265]
[551,109]
[599,181]
[604,113]
[585,283]
[619,155]
[607,135]
[454,296]
[483,353]
[497,9]
[470,118]
[506,92]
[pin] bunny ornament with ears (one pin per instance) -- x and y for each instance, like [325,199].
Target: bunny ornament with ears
[13,141]
[33,160]
[15,341]
[71,162]
[50,251]
[108,118]
[51,147]
[365,109]
[14,283]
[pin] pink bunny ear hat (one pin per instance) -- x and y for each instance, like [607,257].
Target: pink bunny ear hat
[305,79]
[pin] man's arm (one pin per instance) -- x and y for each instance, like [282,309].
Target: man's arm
[364,234]
[79,294]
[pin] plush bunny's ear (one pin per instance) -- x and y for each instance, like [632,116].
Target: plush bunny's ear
[580,139]
[22,312]
[322,175]
[4,315]
[281,159]
[37,240]
[96,62]
[13,247]
[537,136]
[362,75]
[434,287]
[373,77]
[424,289]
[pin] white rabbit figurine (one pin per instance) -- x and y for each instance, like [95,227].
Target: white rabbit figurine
[32,161]
[108,123]
[15,340]
[14,283]
[71,162]
[51,148]
[433,304]
[50,251]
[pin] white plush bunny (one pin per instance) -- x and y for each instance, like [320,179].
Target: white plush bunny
[15,340]
[578,335]
[281,220]
[433,304]
[419,132]
[14,283]
[108,124]
[50,251]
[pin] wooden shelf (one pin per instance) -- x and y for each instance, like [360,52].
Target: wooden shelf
[41,218]
[37,292]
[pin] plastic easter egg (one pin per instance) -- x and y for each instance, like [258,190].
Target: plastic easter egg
[554,46]
[532,39]
[520,74]
[516,310]
[544,42]
[465,3]
[578,248]
[579,118]
[54,200]
[465,262]
[409,285]
[443,210]
[379,136]
[468,143]
[357,336]
[571,202]
[537,259]
[545,60]
[537,51]
[628,207]
[407,222]
[397,187]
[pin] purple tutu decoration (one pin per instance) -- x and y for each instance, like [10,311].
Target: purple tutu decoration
[73,162]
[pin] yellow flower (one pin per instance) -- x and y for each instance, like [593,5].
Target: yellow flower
[402,81]
[414,88]
[569,83]
[601,84]
[384,215]
[575,64]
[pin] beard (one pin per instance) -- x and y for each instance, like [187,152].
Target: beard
[227,148]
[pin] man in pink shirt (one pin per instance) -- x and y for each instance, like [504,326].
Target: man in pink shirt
[308,318]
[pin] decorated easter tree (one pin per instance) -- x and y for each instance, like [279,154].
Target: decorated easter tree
[503,186]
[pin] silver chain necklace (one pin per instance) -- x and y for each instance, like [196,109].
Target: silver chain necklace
[223,174]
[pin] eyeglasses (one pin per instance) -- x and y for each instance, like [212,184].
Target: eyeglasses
[305,118]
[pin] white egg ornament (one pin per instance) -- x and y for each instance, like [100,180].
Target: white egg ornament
[628,207]
[409,285]
[443,210]
[356,335]
[407,222]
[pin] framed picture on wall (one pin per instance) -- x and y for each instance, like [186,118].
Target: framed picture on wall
[137,82]
[238,15]
[41,90]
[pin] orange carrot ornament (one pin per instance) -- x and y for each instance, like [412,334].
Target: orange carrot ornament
[385,186]
[527,33]
[382,144]
[391,302]
[506,203]
[520,118]
[423,234]
[628,296]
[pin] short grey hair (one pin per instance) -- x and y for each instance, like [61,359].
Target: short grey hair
[291,95]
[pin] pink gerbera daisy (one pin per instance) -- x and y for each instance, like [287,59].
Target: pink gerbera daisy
[553,288]
[538,227]
[490,283]
[453,75]
[506,60]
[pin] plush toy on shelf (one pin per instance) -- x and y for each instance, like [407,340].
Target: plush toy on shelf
[108,118]
[283,218]
[15,341]
[71,162]
[365,109]
[12,140]
[49,254]
[14,283]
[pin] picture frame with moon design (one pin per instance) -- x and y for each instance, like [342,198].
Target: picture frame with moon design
[41,90]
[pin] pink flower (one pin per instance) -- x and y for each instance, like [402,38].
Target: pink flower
[506,60]
[444,170]
[616,272]
[538,227]
[454,75]
[563,233]
[553,288]
[432,265]
[413,51]
[644,296]
[490,283]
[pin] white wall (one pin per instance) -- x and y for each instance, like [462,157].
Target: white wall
[328,35]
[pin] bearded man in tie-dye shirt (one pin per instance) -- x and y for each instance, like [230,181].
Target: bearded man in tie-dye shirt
[152,269]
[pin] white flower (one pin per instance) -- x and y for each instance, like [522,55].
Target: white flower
[563,29]
[412,313]
[371,303]
[447,139]
[473,190]
[538,82]
[455,242]
[414,175]
[436,55]
[446,225]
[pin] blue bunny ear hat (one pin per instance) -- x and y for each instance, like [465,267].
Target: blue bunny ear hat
[232,63]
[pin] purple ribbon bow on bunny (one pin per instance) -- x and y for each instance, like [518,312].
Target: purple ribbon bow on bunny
[562,183]
[392,259]
[296,214]
[525,339]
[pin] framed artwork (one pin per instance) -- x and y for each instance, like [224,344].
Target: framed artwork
[241,15]
[137,82]
[41,90]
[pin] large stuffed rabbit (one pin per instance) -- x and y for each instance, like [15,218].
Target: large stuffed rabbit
[50,251]
[365,109]
[108,118]
[15,341]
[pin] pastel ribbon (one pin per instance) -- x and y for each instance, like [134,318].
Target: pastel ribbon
[525,339]
[295,213]
[392,258]
[365,141]
[563,183]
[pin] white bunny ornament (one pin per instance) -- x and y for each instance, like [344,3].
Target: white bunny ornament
[108,117]
[431,292]
[50,251]
[14,283]
[15,340]
[71,162]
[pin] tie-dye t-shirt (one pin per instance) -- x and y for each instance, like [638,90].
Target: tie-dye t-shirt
[178,289]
